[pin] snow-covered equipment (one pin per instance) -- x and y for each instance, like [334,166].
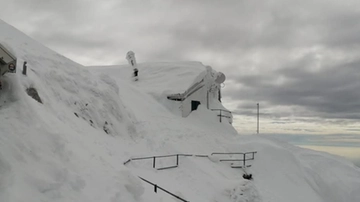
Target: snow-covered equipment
[130,56]
[220,78]
[247,176]
[136,74]
[7,61]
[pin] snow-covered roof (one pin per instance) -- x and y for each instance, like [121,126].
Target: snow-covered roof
[157,77]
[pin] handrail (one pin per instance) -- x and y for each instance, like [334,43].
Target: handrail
[164,190]
[222,115]
[199,155]
[227,153]
[163,156]
[246,176]
[244,159]
[221,110]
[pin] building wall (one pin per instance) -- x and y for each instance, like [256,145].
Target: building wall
[5,59]
[208,96]
[199,95]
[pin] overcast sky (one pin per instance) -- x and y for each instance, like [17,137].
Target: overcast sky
[299,59]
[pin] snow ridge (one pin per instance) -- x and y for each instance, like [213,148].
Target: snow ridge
[72,147]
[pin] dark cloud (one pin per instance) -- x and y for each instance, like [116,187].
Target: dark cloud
[330,92]
[299,59]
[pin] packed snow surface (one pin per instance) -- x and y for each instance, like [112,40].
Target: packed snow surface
[93,119]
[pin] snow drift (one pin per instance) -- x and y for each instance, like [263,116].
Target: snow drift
[73,145]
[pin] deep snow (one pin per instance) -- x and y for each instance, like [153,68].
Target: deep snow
[59,151]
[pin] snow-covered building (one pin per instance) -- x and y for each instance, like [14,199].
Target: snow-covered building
[7,61]
[205,90]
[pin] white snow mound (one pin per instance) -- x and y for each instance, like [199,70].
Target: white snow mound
[72,146]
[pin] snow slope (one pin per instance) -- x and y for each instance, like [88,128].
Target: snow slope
[72,147]
[46,152]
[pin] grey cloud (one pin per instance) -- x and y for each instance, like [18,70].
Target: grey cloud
[269,25]
[66,38]
[331,92]
[341,30]
[195,25]
[297,58]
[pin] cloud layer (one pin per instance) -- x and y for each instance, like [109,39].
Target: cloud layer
[298,59]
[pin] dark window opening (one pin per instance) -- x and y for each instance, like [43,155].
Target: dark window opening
[194,105]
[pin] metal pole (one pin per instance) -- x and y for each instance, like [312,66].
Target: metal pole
[177,160]
[154,162]
[24,68]
[244,159]
[258,118]
[207,99]
[220,115]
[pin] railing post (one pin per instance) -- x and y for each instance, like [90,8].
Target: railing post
[155,188]
[220,115]
[24,68]
[154,162]
[177,159]
[258,114]
[244,159]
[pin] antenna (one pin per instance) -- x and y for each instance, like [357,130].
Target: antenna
[258,109]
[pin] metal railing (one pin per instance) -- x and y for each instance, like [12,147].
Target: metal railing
[156,187]
[222,115]
[244,155]
[244,159]
[164,156]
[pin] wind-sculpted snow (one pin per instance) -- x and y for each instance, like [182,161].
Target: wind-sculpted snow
[245,192]
[59,150]
[72,147]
